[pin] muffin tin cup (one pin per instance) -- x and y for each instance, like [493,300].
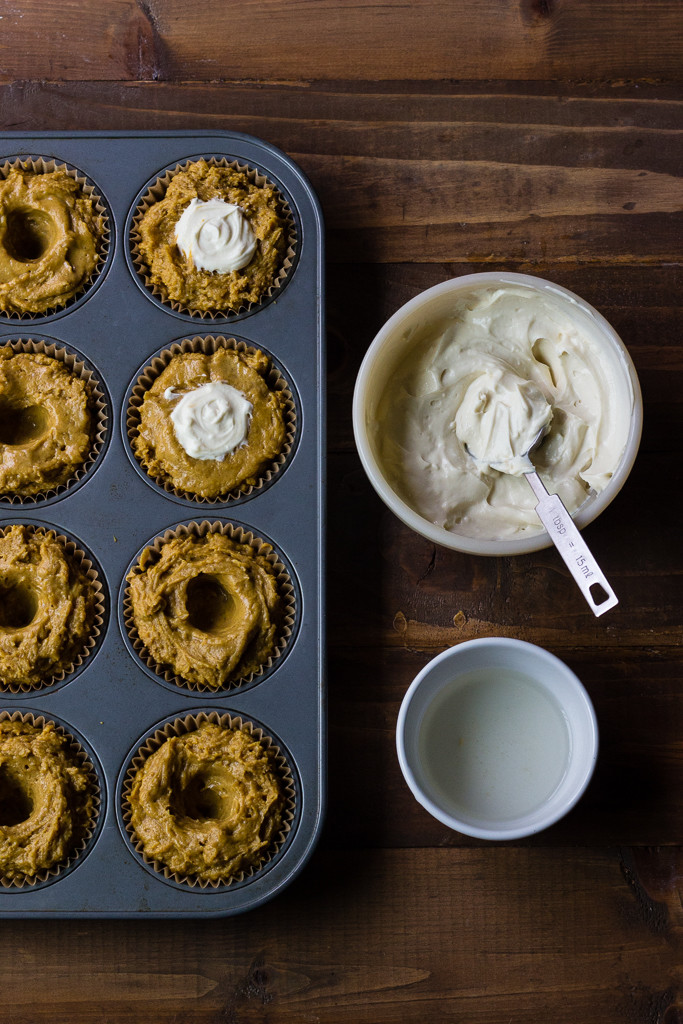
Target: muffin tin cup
[241,535]
[86,563]
[179,727]
[98,401]
[113,701]
[155,191]
[85,760]
[45,165]
[209,344]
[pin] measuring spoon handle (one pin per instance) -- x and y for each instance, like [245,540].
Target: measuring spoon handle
[575,552]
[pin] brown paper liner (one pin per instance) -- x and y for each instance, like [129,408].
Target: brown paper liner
[82,759]
[178,728]
[157,191]
[208,345]
[98,408]
[79,557]
[42,166]
[285,587]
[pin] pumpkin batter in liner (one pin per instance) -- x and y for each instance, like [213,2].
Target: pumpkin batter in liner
[185,368]
[172,276]
[50,607]
[46,422]
[52,236]
[208,805]
[209,607]
[48,799]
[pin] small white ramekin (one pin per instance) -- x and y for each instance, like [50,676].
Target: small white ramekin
[494,654]
[375,371]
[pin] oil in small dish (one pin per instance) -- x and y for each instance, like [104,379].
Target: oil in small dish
[494,746]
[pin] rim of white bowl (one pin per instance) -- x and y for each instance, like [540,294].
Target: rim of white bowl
[513,831]
[438,534]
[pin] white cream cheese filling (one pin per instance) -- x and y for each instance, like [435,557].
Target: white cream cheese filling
[215,236]
[210,421]
[500,418]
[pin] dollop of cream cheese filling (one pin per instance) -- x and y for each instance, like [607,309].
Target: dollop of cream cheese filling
[499,419]
[215,236]
[469,390]
[210,421]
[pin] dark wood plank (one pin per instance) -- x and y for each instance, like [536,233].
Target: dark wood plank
[392,587]
[433,39]
[324,116]
[415,176]
[382,937]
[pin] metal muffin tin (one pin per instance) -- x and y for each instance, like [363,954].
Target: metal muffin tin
[113,702]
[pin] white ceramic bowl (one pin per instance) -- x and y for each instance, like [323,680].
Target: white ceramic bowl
[497,738]
[378,366]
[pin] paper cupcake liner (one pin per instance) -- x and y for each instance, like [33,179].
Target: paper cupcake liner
[98,408]
[80,558]
[241,536]
[41,165]
[208,345]
[179,727]
[157,191]
[83,760]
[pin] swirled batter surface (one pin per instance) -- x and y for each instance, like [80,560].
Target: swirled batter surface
[49,237]
[47,606]
[176,275]
[209,803]
[46,801]
[208,607]
[160,445]
[45,422]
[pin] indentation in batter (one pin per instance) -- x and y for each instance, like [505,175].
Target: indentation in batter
[23,424]
[29,234]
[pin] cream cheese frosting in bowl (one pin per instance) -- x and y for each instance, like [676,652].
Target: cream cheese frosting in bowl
[458,384]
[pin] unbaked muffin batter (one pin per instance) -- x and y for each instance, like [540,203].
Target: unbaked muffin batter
[168,254]
[208,607]
[194,444]
[208,804]
[45,422]
[46,799]
[50,232]
[47,607]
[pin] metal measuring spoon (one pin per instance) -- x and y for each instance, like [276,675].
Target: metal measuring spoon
[562,531]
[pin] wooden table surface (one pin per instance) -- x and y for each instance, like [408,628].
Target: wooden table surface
[442,136]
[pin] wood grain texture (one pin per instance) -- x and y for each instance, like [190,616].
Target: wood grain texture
[440,175]
[275,40]
[383,937]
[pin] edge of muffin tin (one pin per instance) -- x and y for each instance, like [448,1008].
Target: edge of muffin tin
[110,702]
